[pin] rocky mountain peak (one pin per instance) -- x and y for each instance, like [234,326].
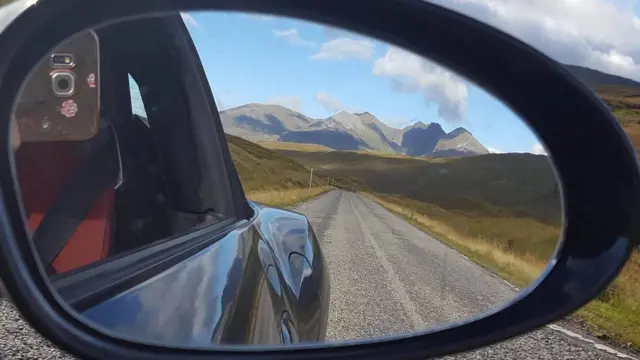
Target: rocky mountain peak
[347,131]
[419,125]
[458,131]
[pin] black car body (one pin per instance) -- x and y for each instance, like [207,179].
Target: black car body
[264,282]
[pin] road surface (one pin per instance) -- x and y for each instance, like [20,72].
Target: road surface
[386,277]
[389,277]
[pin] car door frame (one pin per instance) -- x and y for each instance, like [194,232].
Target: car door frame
[207,118]
[91,284]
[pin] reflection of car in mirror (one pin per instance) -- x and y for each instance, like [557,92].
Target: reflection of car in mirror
[116,188]
[176,193]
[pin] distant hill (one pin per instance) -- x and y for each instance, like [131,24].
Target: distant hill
[342,131]
[421,139]
[363,131]
[621,95]
[596,79]
[459,142]
[345,131]
[430,140]
[496,185]
[263,169]
[260,122]
[393,134]
[278,145]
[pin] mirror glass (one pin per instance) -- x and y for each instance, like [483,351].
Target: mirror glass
[387,194]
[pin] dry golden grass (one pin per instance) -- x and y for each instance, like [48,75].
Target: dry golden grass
[496,185]
[624,103]
[401,156]
[276,145]
[261,169]
[614,315]
[521,269]
[271,178]
[282,198]
[633,132]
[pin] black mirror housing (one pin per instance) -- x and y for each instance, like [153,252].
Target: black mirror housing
[600,184]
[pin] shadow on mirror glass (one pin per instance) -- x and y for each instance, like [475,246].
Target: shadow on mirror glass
[418,199]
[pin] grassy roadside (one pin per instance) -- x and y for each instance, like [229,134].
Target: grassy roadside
[272,178]
[276,145]
[613,316]
[286,197]
[519,269]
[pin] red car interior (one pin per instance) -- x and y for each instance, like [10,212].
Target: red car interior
[43,168]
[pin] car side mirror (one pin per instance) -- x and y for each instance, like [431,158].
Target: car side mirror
[599,185]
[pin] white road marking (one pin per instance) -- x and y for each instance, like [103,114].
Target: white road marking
[508,283]
[596,345]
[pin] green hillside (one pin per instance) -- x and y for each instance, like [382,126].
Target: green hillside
[489,196]
[624,102]
[262,169]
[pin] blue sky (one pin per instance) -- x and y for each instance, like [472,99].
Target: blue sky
[314,70]
[265,59]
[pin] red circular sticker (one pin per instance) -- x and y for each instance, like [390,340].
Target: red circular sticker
[68,108]
[91,80]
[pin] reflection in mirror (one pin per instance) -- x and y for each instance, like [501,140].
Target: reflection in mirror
[425,200]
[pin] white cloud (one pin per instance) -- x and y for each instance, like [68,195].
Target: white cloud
[289,101]
[292,36]
[328,102]
[538,149]
[341,48]
[601,34]
[189,20]
[412,74]
[495,151]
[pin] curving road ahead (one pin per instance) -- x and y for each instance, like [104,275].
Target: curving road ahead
[389,277]
[386,277]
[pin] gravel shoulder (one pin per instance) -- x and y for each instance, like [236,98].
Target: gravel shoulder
[18,340]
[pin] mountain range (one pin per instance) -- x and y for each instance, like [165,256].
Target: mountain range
[363,131]
[346,131]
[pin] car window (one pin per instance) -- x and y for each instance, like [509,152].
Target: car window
[137,105]
[148,206]
[123,188]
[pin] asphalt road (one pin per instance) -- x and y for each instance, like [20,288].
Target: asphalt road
[387,277]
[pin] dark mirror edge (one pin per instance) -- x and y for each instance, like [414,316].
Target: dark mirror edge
[600,207]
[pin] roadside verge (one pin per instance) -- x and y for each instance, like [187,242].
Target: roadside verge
[283,198]
[613,317]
